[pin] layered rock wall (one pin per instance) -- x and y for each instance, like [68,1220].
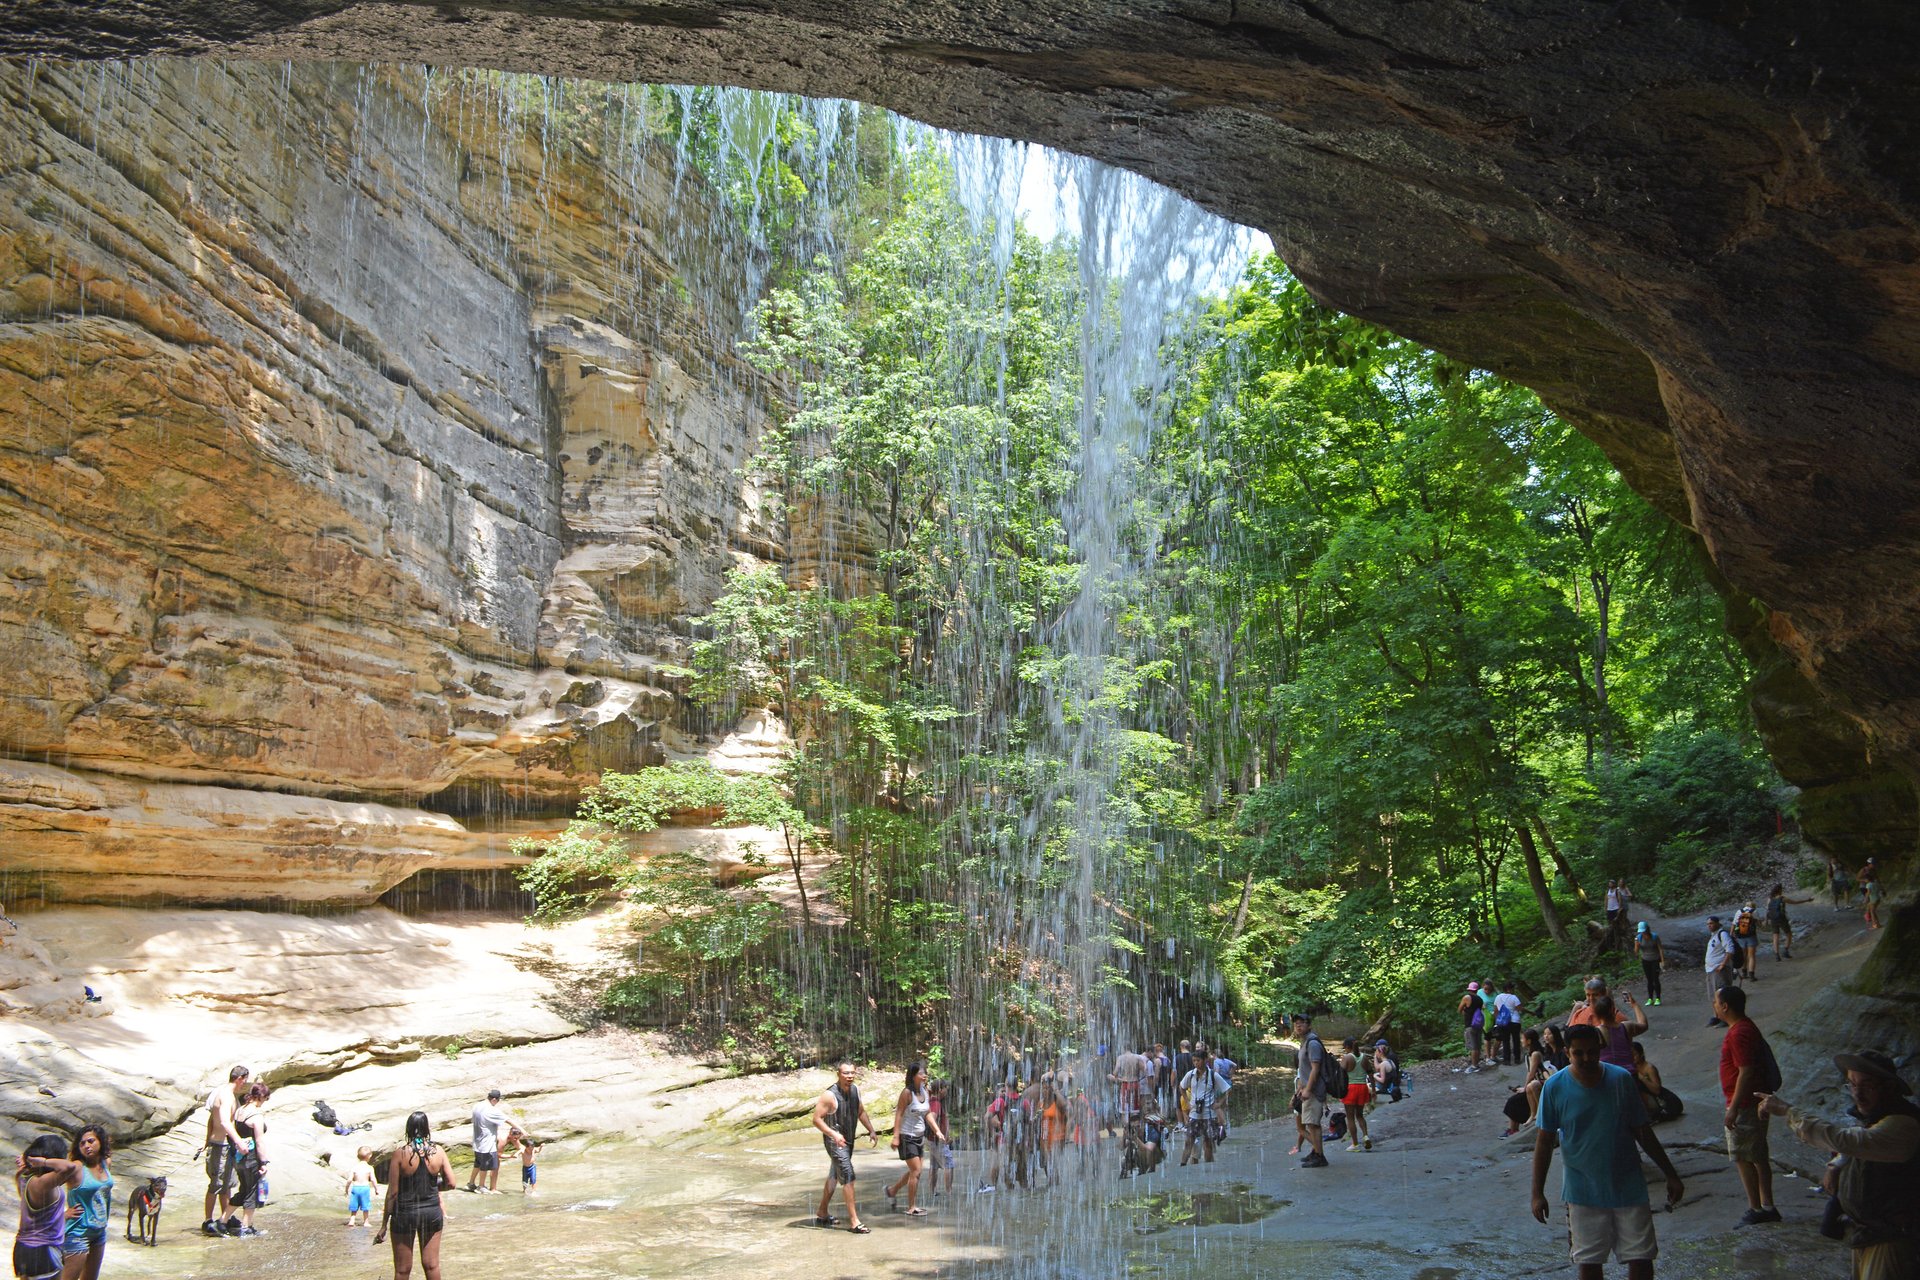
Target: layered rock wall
[363,460]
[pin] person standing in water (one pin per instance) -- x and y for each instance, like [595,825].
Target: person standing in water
[913,1120]
[837,1114]
[223,1148]
[418,1176]
[89,1206]
[41,1176]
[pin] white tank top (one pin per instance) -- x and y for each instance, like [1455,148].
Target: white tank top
[913,1124]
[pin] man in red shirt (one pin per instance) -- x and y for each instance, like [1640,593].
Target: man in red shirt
[1747,1070]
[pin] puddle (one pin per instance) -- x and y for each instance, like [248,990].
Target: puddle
[1234,1205]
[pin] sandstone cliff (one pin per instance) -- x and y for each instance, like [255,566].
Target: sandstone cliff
[363,465]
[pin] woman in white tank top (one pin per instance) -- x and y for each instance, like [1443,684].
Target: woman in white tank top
[912,1118]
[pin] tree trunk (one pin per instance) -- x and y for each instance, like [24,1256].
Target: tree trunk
[1246,898]
[1537,878]
[1560,861]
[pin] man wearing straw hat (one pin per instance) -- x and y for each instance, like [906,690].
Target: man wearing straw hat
[1876,1164]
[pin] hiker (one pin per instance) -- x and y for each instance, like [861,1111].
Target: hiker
[1721,966]
[41,1177]
[1777,922]
[1310,1088]
[89,1205]
[1747,1069]
[1870,894]
[1473,1021]
[490,1125]
[1581,1014]
[1592,1112]
[418,1177]
[1385,1076]
[1538,1071]
[249,1121]
[1616,903]
[1506,1025]
[223,1150]
[1204,1089]
[1618,1030]
[1662,1104]
[1653,959]
[1746,932]
[913,1120]
[1355,1100]
[837,1114]
[1839,884]
[940,1151]
[1876,1164]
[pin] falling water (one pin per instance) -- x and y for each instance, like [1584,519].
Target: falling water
[691,197]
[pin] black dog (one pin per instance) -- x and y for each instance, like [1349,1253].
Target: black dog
[143,1211]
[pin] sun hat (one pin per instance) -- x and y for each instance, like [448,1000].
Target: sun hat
[1473,986]
[1874,1064]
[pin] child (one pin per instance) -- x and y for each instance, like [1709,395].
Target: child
[529,1163]
[361,1182]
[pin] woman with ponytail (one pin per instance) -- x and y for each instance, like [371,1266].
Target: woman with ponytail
[417,1175]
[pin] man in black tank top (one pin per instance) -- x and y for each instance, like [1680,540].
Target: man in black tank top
[837,1115]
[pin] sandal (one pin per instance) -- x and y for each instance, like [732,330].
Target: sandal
[916,1212]
[861,1229]
[826,1222]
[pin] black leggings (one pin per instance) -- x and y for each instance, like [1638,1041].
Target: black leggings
[1651,968]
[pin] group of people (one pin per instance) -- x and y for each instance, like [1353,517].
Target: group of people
[66,1198]
[1866,884]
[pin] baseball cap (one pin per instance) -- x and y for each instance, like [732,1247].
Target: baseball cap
[1642,928]
[1473,986]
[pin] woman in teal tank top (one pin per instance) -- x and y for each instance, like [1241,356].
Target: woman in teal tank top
[89,1206]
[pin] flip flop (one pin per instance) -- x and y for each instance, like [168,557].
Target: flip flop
[916,1212]
[861,1229]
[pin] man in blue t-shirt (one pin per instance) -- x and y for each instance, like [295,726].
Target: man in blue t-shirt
[1593,1113]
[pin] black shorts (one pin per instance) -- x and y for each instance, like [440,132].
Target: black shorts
[841,1154]
[414,1227]
[486,1161]
[913,1148]
[36,1261]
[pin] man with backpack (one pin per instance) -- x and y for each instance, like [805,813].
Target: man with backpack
[1723,965]
[1312,1086]
[1747,1070]
[1205,1091]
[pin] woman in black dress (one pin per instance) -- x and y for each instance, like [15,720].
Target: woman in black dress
[417,1175]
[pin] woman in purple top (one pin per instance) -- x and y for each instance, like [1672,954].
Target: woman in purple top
[1617,1031]
[40,1177]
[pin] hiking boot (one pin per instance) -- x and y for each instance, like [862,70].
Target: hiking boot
[1314,1161]
[212,1228]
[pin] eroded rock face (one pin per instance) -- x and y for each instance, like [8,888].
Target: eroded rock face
[338,485]
[1690,228]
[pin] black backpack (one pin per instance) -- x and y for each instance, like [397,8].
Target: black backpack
[1333,1072]
[1770,1079]
[325,1115]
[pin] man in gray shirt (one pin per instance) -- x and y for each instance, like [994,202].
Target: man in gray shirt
[1310,1087]
[490,1125]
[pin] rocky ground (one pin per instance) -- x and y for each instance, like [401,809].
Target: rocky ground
[658,1157]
